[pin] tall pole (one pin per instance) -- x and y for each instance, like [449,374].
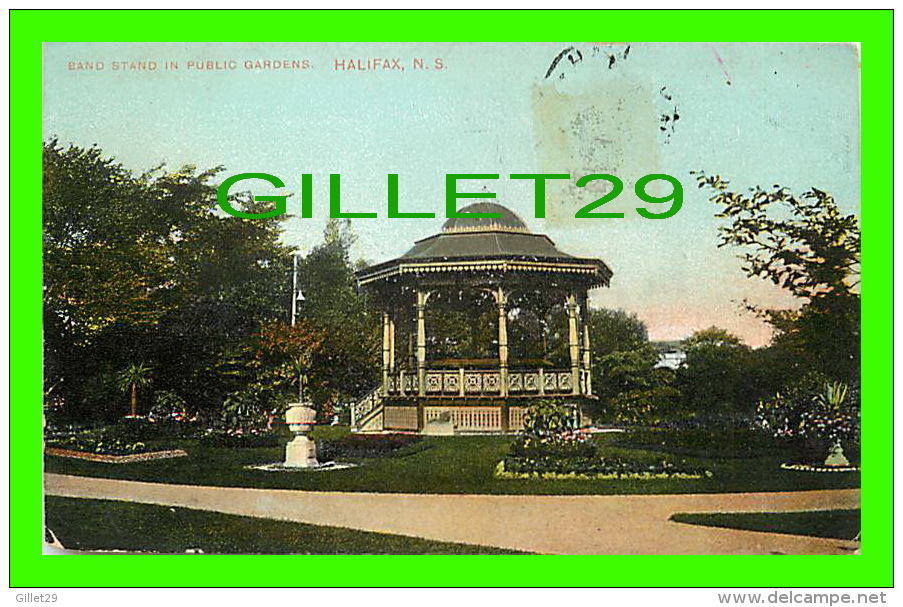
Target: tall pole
[294,320]
[294,287]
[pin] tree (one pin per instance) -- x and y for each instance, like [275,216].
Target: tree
[634,390]
[147,267]
[718,380]
[615,331]
[130,379]
[805,245]
[283,353]
[346,364]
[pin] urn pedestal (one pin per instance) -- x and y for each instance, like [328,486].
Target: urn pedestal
[301,451]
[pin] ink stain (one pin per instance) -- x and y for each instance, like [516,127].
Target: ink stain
[669,117]
[567,59]
[573,55]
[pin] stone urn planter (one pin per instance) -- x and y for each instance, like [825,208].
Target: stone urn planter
[836,456]
[301,451]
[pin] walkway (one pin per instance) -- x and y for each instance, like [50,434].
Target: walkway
[596,524]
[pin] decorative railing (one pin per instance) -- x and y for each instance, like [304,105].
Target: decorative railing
[366,405]
[463,382]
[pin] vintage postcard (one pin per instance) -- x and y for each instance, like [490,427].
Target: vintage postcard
[452,298]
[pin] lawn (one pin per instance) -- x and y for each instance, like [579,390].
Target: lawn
[83,524]
[465,464]
[834,524]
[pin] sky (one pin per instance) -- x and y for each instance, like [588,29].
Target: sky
[757,114]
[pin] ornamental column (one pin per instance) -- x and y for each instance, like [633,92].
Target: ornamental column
[422,296]
[573,344]
[392,343]
[386,353]
[587,353]
[501,300]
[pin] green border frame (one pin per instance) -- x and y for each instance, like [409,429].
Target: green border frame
[29,29]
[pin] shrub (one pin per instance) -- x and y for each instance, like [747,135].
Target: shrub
[550,431]
[813,408]
[150,429]
[546,420]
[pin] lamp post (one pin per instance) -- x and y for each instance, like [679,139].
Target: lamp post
[297,301]
[301,451]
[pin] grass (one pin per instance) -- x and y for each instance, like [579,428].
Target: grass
[85,524]
[834,524]
[465,464]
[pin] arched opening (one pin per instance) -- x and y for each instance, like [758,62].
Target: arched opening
[461,328]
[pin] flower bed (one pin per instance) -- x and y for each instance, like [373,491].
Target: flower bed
[593,468]
[116,459]
[820,468]
[101,445]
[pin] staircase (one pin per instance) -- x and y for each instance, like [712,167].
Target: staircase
[367,413]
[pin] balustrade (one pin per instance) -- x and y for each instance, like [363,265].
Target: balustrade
[463,382]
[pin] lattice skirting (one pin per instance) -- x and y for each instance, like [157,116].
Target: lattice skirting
[462,419]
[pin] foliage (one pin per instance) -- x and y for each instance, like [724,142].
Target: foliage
[168,406]
[103,445]
[245,408]
[281,359]
[634,390]
[152,429]
[615,331]
[832,416]
[805,245]
[813,408]
[148,268]
[346,362]
[130,379]
[814,252]
[550,432]
[721,378]
[547,420]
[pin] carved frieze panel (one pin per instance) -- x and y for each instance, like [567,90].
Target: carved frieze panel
[434,382]
[565,382]
[515,382]
[450,382]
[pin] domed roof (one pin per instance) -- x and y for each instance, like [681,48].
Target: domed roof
[487,245]
[506,221]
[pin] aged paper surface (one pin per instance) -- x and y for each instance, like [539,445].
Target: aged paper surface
[754,114]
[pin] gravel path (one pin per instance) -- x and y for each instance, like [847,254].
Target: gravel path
[594,524]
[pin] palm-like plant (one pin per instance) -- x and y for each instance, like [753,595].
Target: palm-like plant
[131,378]
[832,419]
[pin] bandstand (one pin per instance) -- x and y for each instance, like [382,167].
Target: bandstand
[448,306]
